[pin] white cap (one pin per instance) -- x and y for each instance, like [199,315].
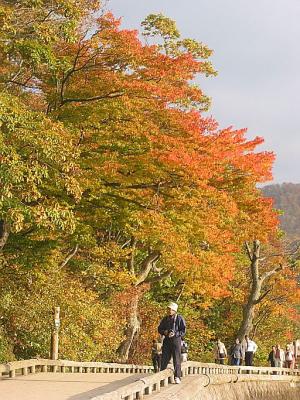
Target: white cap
[173,306]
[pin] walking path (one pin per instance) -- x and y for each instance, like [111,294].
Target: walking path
[58,386]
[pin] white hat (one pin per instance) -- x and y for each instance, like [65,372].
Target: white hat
[173,306]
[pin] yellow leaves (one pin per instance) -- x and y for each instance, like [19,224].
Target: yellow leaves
[16,219]
[51,215]
[73,187]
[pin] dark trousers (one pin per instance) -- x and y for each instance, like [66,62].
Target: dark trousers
[172,348]
[156,360]
[249,358]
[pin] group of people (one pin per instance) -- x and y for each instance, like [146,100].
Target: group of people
[282,358]
[239,352]
[172,329]
[244,352]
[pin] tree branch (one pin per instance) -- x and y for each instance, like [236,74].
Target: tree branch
[248,250]
[158,278]
[268,274]
[262,296]
[146,267]
[69,256]
[130,261]
[111,95]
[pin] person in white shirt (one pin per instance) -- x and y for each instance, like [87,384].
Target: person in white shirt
[220,352]
[289,356]
[250,348]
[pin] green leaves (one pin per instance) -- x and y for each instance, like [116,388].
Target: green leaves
[159,25]
[38,160]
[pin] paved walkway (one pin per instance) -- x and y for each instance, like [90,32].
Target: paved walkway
[58,386]
[174,391]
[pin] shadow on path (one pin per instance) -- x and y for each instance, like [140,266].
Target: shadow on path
[106,389]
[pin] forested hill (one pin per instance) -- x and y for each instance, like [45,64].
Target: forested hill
[287,199]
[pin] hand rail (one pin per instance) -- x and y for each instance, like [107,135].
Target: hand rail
[210,372]
[25,367]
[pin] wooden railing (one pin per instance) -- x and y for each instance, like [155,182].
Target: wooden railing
[210,374]
[32,366]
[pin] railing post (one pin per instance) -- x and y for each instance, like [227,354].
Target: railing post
[148,390]
[165,382]
[157,386]
[12,373]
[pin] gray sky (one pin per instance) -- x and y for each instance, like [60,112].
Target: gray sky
[257,54]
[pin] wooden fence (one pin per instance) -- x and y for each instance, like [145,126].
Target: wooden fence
[32,366]
[210,373]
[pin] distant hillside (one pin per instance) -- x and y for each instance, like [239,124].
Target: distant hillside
[287,199]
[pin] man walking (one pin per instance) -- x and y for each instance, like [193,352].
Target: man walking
[173,328]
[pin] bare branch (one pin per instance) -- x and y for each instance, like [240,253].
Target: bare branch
[260,299]
[155,185]
[69,256]
[125,244]
[130,261]
[268,274]
[159,278]
[181,291]
[111,95]
[146,267]
[17,73]
[248,250]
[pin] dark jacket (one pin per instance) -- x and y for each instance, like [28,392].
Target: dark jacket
[271,358]
[167,324]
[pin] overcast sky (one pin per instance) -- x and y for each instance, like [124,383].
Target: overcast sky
[257,54]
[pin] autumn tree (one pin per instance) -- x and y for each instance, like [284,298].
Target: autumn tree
[121,182]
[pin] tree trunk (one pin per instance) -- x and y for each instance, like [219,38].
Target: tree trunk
[249,313]
[132,329]
[4,233]
[133,324]
[255,296]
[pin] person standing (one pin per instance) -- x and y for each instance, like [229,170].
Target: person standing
[289,357]
[236,353]
[156,351]
[220,352]
[184,351]
[250,349]
[279,356]
[173,328]
[271,357]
